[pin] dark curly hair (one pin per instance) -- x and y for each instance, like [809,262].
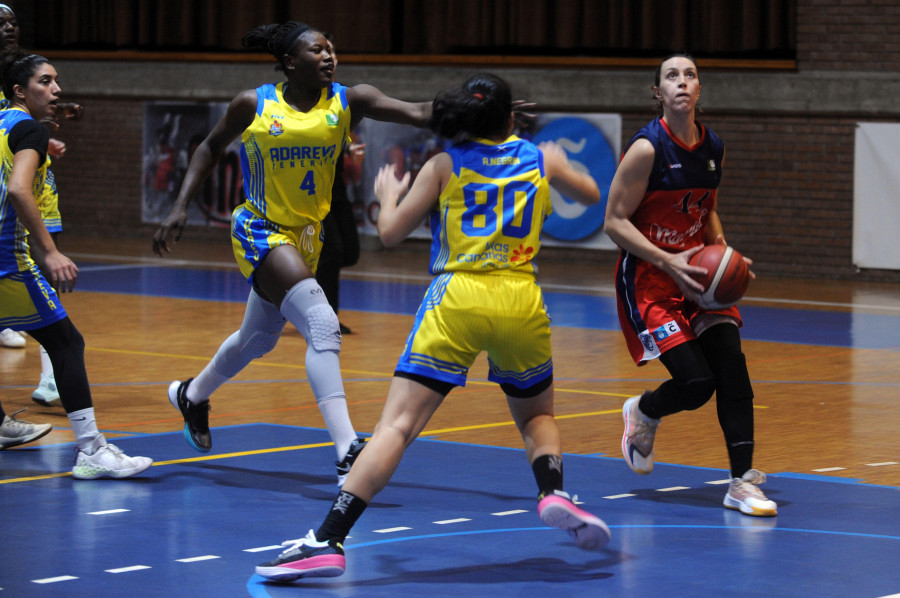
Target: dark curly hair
[479,108]
[276,39]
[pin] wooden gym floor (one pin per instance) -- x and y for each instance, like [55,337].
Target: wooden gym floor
[824,358]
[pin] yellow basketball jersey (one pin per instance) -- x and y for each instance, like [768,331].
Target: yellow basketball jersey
[288,157]
[491,213]
[14,255]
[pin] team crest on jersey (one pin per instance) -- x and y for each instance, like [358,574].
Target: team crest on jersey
[331,119]
[712,166]
[276,129]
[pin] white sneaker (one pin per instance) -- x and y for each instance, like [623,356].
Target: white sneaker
[745,496]
[637,440]
[14,432]
[107,461]
[12,339]
[46,393]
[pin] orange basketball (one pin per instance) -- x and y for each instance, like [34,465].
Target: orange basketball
[727,278]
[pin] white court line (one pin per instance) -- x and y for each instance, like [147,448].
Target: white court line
[673,488]
[881,464]
[109,512]
[505,513]
[128,569]
[446,521]
[54,579]
[824,469]
[614,496]
[390,530]
[194,559]
[262,548]
[716,482]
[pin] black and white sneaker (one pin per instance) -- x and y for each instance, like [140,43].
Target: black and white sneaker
[306,557]
[343,467]
[196,417]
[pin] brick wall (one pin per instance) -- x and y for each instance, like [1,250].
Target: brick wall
[848,35]
[786,199]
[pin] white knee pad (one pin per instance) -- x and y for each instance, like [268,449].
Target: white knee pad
[324,329]
[306,307]
[259,344]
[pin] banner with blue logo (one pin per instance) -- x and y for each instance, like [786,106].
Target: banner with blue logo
[592,143]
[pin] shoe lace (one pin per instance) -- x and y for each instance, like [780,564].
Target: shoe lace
[12,422]
[295,544]
[754,476]
[643,435]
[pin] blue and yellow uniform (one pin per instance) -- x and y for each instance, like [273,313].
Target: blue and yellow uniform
[288,160]
[484,297]
[48,198]
[27,301]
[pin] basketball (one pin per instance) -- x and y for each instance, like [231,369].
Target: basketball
[727,276]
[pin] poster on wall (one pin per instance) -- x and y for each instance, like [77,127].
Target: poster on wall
[591,141]
[172,132]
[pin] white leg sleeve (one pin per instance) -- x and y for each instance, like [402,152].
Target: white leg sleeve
[259,333]
[306,307]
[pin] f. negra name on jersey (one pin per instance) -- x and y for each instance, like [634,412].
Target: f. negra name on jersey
[288,153]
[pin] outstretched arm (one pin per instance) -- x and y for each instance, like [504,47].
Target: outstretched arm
[238,117]
[368,101]
[574,184]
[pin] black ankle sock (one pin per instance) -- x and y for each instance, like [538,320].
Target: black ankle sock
[548,472]
[344,512]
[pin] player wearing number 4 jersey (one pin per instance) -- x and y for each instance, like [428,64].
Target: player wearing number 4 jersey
[292,134]
[487,197]
[662,209]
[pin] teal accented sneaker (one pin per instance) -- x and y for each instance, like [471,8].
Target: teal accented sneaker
[196,417]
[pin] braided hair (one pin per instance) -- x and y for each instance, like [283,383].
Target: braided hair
[276,39]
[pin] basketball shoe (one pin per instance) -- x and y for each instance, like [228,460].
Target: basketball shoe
[745,496]
[14,432]
[637,441]
[46,393]
[196,417]
[343,467]
[107,461]
[12,339]
[559,511]
[306,557]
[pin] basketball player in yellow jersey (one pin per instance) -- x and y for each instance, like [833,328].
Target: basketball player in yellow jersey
[487,197]
[292,133]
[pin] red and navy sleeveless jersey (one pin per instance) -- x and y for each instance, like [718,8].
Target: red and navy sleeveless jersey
[682,187]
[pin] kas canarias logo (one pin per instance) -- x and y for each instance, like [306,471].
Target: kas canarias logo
[276,129]
[588,151]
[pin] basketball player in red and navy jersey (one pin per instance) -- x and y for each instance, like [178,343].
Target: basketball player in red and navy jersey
[662,210]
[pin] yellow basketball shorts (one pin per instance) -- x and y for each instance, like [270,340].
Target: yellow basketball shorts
[28,302]
[465,313]
[253,237]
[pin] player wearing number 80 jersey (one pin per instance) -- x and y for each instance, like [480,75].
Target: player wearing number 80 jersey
[491,212]
[489,197]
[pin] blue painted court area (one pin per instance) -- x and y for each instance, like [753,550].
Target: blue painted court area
[786,325]
[456,520]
